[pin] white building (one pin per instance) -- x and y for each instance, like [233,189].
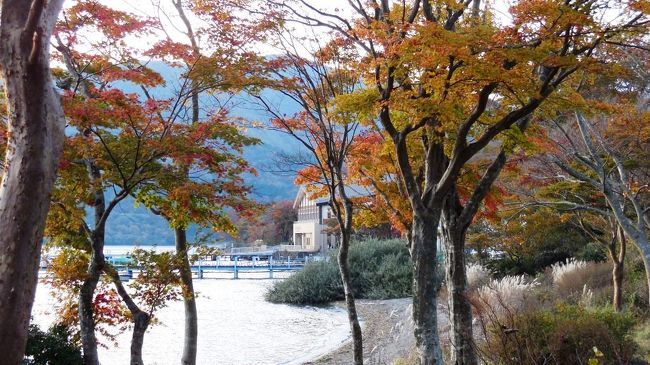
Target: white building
[309,230]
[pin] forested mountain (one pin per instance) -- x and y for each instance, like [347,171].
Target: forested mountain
[125,225]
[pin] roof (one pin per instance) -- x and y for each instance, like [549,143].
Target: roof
[352,191]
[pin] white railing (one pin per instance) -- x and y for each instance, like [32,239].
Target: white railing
[297,248]
[247,249]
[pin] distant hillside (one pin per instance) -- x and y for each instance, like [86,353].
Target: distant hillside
[129,225]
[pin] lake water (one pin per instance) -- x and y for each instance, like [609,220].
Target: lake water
[236,326]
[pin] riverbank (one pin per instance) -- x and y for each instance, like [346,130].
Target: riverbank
[387,333]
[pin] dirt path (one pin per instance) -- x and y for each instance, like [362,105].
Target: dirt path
[387,333]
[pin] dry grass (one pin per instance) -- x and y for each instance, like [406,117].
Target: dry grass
[576,280]
[477,276]
[508,294]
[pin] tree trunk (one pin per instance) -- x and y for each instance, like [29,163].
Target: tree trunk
[617,278]
[189,301]
[344,218]
[86,318]
[618,259]
[460,309]
[353,317]
[94,272]
[35,139]
[637,235]
[644,248]
[426,283]
[140,324]
[141,319]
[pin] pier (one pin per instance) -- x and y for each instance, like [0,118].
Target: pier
[234,261]
[248,260]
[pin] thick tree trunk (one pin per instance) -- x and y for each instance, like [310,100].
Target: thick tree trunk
[35,139]
[426,283]
[460,310]
[460,315]
[189,301]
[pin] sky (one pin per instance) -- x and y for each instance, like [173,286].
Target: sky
[164,10]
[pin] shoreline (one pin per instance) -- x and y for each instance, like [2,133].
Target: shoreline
[236,326]
[387,329]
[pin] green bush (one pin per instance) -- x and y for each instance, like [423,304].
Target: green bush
[317,283]
[379,269]
[561,335]
[593,251]
[53,347]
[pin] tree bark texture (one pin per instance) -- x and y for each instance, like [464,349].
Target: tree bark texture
[426,283]
[618,268]
[460,310]
[353,317]
[140,325]
[86,296]
[94,271]
[189,301]
[35,138]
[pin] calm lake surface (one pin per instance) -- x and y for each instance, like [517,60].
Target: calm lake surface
[236,326]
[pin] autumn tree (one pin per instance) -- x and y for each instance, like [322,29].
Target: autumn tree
[445,80]
[558,201]
[34,140]
[592,155]
[157,283]
[115,141]
[325,134]
[273,224]
[372,165]
[583,165]
[205,175]
[202,186]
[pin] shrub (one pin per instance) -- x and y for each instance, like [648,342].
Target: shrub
[547,238]
[574,277]
[318,282]
[509,294]
[566,334]
[53,347]
[636,284]
[642,338]
[477,276]
[593,251]
[379,269]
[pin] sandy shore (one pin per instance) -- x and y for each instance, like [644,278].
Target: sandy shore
[387,333]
